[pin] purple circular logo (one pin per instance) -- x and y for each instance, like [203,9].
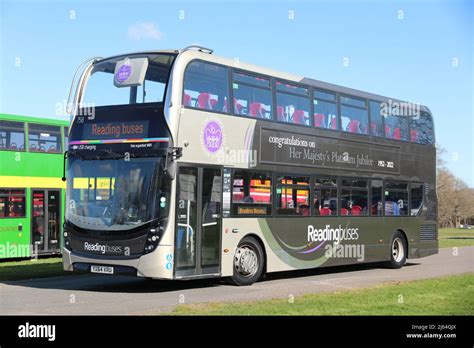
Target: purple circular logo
[212,136]
[123,73]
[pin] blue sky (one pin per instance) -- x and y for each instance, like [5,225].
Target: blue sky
[419,51]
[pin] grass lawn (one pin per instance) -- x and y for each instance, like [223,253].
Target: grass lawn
[453,295]
[455,237]
[29,269]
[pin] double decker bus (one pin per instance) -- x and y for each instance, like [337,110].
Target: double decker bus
[184,165]
[31,190]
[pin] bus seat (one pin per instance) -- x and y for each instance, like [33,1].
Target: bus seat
[325,211]
[299,117]
[319,120]
[213,103]
[281,114]
[373,128]
[52,148]
[353,126]
[187,100]
[344,211]
[333,124]
[387,132]
[13,146]
[256,110]
[33,147]
[356,210]
[397,133]
[414,136]
[204,101]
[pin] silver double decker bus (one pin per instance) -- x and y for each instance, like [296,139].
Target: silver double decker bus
[182,164]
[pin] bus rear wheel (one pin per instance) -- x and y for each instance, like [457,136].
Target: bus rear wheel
[248,262]
[398,251]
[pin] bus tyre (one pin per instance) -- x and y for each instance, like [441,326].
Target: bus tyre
[398,251]
[248,262]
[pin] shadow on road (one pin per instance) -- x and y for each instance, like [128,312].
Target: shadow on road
[123,284]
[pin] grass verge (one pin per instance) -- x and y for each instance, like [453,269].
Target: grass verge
[452,295]
[455,237]
[28,269]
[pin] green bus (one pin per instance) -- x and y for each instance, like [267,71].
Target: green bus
[31,189]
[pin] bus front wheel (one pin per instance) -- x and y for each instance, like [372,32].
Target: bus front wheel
[248,262]
[398,251]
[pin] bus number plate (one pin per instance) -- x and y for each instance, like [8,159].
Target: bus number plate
[102,269]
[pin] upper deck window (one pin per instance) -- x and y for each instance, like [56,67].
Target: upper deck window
[376,119]
[354,115]
[206,87]
[252,95]
[102,91]
[44,138]
[292,104]
[421,129]
[12,136]
[325,110]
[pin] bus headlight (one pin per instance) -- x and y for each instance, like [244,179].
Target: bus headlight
[154,236]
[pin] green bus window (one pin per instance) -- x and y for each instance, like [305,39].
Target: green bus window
[396,198]
[325,196]
[325,110]
[66,138]
[252,96]
[354,116]
[376,120]
[416,198]
[354,197]
[421,129]
[12,203]
[12,135]
[293,196]
[43,138]
[206,87]
[252,193]
[376,206]
[293,105]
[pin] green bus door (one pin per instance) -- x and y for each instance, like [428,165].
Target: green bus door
[45,224]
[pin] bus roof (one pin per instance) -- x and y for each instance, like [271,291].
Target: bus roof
[31,119]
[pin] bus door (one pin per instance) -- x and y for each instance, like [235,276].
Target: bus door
[46,221]
[198,237]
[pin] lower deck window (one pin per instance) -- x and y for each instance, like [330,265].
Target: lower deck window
[325,196]
[252,193]
[396,198]
[293,196]
[12,203]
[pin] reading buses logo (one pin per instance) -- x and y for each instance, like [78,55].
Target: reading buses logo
[212,136]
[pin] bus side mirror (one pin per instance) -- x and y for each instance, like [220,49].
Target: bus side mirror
[172,154]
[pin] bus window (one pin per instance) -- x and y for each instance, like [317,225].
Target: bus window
[376,123]
[293,196]
[205,87]
[252,193]
[354,116]
[325,196]
[396,198]
[416,198]
[252,96]
[12,136]
[396,127]
[44,138]
[325,110]
[66,138]
[293,104]
[421,129]
[12,203]
[376,206]
[354,197]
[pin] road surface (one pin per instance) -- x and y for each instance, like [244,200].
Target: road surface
[109,295]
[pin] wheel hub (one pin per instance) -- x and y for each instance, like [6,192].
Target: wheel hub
[246,261]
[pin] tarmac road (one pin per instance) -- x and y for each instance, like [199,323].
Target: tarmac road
[110,295]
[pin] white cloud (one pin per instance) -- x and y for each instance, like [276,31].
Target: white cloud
[144,30]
